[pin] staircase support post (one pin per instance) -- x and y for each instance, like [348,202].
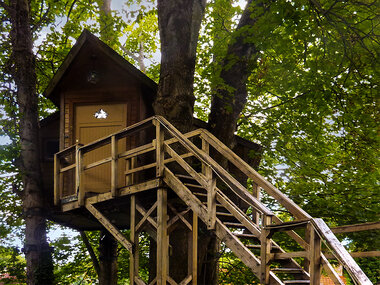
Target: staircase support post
[265,250]
[162,237]
[211,189]
[315,257]
[193,250]
[134,255]
[255,213]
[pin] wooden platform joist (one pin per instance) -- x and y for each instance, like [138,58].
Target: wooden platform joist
[125,191]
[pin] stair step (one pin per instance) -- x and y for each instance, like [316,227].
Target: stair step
[194,186]
[253,245]
[218,205]
[297,282]
[225,214]
[287,270]
[244,235]
[185,176]
[259,246]
[200,194]
[234,225]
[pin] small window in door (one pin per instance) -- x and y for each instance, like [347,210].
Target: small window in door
[101,114]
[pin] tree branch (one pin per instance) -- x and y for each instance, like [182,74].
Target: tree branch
[90,250]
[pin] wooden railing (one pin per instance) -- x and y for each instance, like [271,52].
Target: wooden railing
[168,147]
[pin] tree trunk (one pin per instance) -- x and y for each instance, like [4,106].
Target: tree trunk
[230,97]
[107,259]
[179,23]
[37,251]
[105,21]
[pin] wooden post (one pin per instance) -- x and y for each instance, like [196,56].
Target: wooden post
[79,177]
[194,254]
[133,257]
[315,257]
[211,189]
[256,193]
[162,237]
[265,250]
[306,261]
[114,164]
[159,149]
[57,175]
[193,250]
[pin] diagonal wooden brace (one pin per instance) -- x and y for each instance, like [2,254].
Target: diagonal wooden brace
[110,227]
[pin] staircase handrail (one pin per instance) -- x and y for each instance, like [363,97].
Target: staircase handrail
[218,170]
[334,244]
[341,254]
[284,200]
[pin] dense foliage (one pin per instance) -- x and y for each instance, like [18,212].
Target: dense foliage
[312,106]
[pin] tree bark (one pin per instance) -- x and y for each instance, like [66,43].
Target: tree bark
[107,259]
[179,23]
[229,98]
[37,251]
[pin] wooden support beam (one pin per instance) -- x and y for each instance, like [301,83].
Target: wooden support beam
[293,234]
[79,181]
[237,213]
[67,168]
[57,174]
[331,271]
[356,228]
[211,189]
[128,190]
[160,155]
[146,216]
[114,166]
[265,255]
[293,208]
[186,281]
[162,237]
[341,253]
[315,257]
[110,227]
[132,237]
[194,250]
[256,193]
[287,255]
[358,254]
[178,216]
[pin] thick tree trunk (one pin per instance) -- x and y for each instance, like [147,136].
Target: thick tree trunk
[37,251]
[229,98]
[179,23]
[107,259]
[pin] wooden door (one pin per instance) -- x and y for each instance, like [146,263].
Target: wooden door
[91,123]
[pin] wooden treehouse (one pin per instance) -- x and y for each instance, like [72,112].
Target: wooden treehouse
[117,166]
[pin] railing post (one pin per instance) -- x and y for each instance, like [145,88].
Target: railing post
[211,189]
[255,213]
[315,257]
[114,166]
[159,149]
[265,249]
[79,185]
[57,176]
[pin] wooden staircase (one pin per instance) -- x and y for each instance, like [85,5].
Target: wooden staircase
[184,164]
